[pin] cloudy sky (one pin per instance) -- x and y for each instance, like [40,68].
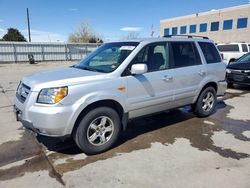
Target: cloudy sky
[54,20]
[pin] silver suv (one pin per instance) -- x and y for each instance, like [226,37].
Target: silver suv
[93,100]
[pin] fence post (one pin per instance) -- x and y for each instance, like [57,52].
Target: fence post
[66,52]
[42,51]
[14,52]
[86,49]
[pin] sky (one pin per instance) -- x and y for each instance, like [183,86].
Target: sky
[55,20]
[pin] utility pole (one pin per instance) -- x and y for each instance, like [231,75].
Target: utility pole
[28,20]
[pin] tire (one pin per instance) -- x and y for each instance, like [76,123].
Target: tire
[98,130]
[230,85]
[205,103]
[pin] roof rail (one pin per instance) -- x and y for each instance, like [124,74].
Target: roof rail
[188,36]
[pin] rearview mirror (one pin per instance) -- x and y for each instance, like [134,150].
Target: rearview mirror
[139,69]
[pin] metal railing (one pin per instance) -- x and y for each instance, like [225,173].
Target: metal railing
[19,51]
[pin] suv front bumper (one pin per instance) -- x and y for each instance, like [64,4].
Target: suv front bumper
[55,121]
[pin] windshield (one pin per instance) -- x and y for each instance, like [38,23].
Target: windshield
[244,58]
[108,57]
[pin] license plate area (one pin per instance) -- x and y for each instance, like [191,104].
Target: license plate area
[238,77]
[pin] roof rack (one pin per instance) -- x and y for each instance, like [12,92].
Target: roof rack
[188,36]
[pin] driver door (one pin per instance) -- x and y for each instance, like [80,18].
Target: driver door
[152,91]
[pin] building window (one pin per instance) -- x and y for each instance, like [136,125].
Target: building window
[227,24]
[166,31]
[215,26]
[174,31]
[183,29]
[203,27]
[192,29]
[242,23]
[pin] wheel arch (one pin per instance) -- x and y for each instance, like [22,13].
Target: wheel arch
[209,84]
[102,103]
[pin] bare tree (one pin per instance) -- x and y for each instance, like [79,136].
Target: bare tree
[131,35]
[84,34]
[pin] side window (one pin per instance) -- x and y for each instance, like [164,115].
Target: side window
[228,48]
[184,54]
[155,56]
[244,48]
[210,53]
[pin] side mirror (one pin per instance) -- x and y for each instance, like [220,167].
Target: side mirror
[139,69]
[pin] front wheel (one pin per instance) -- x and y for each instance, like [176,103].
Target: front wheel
[205,103]
[98,130]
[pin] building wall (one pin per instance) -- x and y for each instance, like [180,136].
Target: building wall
[220,36]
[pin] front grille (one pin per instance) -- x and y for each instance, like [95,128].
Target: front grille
[237,71]
[22,92]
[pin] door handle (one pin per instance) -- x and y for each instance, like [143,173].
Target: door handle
[202,73]
[167,78]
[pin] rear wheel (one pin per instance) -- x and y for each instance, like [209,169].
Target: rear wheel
[205,103]
[98,130]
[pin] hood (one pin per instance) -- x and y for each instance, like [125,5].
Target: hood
[60,77]
[240,66]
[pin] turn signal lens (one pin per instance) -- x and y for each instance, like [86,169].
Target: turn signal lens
[60,94]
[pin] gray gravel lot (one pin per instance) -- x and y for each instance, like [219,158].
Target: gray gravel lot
[171,149]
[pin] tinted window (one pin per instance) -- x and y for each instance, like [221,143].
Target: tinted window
[242,23]
[210,53]
[174,31]
[228,48]
[227,24]
[203,27]
[244,48]
[166,31]
[183,29]
[184,54]
[155,56]
[192,29]
[214,26]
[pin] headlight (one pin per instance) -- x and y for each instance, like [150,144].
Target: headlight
[228,71]
[52,95]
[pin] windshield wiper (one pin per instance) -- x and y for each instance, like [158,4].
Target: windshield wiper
[89,69]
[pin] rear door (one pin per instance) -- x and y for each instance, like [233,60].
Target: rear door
[187,70]
[215,67]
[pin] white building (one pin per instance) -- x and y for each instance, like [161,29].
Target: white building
[223,25]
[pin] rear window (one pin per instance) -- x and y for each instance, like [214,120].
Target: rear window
[210,53]
[244,48]
[228,48]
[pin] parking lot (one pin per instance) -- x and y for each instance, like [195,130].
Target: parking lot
[171,149]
